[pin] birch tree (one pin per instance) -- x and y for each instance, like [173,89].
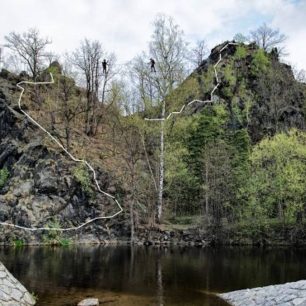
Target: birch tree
[168,49]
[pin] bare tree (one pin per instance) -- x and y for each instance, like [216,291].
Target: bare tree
[87,58]
[1,56]
[240,38]
[144,86]
[51,57]
[300,75]
[70,105]
[268,38]
[133,154]
[199,52]
[108,76]
[168,49]
[30,48]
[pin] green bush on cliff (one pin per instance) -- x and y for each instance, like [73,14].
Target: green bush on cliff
[260,62]
[83,177]
[54,236]
[241,53]
[4,175]
[18,243]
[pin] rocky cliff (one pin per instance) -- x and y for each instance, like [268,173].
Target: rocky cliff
[40,187]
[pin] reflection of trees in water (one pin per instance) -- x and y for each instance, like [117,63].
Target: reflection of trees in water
[165,273]
[159,280]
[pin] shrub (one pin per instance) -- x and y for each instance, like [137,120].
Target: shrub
[260,62]
[4,175]
[82,176]
[55,236]
[240,53]
[18,243]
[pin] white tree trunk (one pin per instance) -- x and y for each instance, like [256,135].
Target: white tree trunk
[161,167]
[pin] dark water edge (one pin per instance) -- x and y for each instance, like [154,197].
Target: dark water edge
[123,275]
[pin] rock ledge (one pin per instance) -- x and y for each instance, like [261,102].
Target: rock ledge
[289,294]
[12,293]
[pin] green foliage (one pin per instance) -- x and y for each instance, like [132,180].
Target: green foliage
[229,75]
[260,62]
[276,187]
[229,80]
[181,183]
[185,93]
[241,53]
[18,243]
[55,236]
[64,242]
[209,126]
[53,69]
[4,175]
[35,296]
[186,220]
[217,178]
[82,176]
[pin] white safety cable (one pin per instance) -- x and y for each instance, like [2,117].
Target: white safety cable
[196,100]
[73,158]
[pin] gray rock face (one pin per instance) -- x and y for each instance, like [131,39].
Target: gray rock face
[42,189]
[289,294]
[24,189]
[12,293]
[47,181]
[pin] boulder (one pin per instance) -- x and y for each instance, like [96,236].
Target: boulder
[12,292]
[24,189]
[89,302]
[46,181]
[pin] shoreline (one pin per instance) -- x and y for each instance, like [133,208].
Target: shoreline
[288,294]
[265,236]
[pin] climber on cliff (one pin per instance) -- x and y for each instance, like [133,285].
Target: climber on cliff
[104,66]
[152,62]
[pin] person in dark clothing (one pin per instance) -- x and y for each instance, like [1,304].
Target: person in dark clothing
[275,53]
[152,62]
[104,66]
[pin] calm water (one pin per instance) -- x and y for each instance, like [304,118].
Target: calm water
[148,276]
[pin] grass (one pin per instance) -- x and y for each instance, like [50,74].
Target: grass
[4,175]
[18,243]
[55,237]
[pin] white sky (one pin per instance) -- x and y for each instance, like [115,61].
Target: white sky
[125,26]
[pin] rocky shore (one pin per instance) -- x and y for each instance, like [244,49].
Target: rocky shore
[12,292]
[289,294]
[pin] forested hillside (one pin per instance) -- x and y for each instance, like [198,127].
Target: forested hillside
[234,161]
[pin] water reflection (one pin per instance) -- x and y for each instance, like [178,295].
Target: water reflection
[148,276]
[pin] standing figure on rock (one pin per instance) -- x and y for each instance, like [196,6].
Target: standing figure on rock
[104,66]
[152,62]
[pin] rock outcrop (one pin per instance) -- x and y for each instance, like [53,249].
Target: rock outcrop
[290,294]
[89,302]
[12,292]
[42,189]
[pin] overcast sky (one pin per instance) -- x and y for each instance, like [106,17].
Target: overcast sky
[125,26]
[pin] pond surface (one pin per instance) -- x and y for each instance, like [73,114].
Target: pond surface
[148,276]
